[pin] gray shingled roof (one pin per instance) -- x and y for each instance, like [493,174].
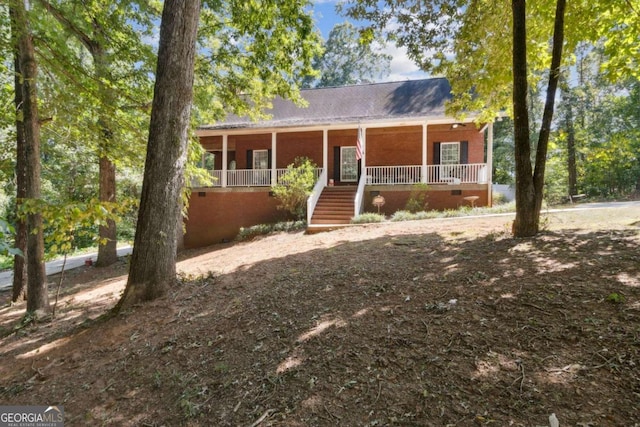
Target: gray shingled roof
[407,99]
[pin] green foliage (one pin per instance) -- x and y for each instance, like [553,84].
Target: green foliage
[368,217]
[295,186]
[263,229]
[604,119]
[349,58]
[504,163]
[452,213]
[6,235]
[473,44]
[97,76]
[498,198]
[615,298]
[251,51]
[556,180]
[399,216]
[418,198]
[65,224]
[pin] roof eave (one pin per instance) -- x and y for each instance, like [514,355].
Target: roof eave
[262,128]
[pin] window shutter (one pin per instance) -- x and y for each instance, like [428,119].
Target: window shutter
[464,152]
[249,159]
[436,153]
[269,158]
[336,164]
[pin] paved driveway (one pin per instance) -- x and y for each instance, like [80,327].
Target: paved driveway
[55,266]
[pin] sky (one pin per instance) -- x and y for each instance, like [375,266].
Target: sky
[402,68]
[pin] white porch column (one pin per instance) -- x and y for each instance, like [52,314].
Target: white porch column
[274,175]
[325,154]
[490,164]
[224,160]
[423,174]
[364,150]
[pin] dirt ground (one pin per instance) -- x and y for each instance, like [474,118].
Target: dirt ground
[422,323]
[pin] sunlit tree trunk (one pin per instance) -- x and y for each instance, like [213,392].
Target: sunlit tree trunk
[153,262]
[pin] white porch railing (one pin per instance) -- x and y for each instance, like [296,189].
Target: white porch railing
[474,173]
[216,176]
[393,174]
[312,200]
[279,172]
[249,177]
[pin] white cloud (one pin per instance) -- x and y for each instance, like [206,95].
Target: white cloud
[402,68]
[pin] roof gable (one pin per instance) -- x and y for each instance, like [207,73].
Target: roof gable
[395,100]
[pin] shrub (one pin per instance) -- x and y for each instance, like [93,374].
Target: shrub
[499,198]
[368,217]
[418,198]
[411,216]
[295,186]
[263,229]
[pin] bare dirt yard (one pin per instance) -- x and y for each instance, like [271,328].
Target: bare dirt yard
[423,323]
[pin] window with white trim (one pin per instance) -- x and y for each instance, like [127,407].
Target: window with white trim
[450,153]
[261,159]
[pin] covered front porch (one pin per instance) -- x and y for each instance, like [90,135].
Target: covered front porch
[389,153]
[475,173]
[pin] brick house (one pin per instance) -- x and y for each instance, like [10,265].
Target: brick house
[405,138]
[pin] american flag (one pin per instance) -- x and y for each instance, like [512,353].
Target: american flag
[359,144]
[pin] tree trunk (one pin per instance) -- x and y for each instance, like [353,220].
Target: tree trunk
[549,105]
[526,222]
[19,286]
[530,189]
[37,292]
[153,263]
[108,251]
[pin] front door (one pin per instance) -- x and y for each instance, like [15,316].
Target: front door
[348,164]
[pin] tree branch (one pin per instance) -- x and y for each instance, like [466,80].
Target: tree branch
[87,41]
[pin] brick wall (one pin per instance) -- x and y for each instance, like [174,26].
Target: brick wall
[437,200]
[298,144]
[218,215]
